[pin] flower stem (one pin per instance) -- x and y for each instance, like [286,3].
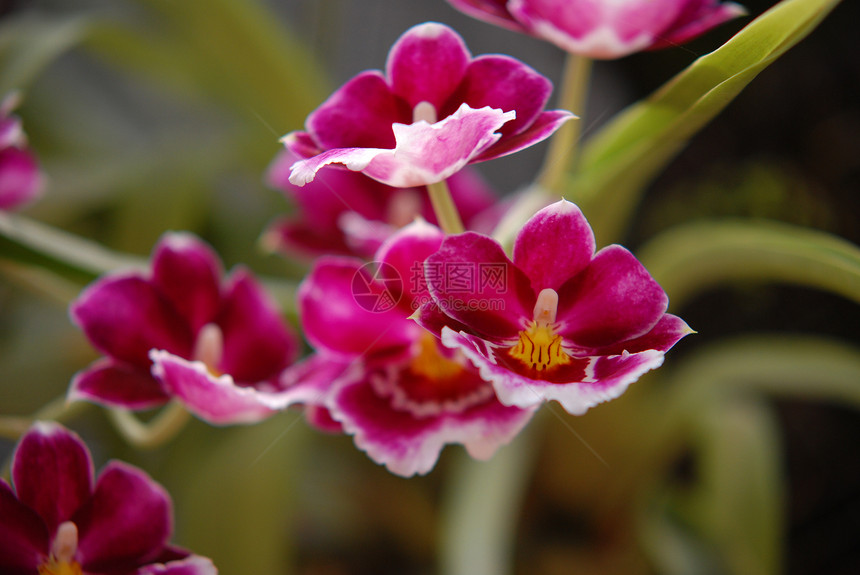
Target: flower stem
[563,147]
[443,206]
[481,509]
[13,427]
[150,435]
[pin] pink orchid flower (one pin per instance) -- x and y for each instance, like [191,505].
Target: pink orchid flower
[347,213]
[435,110]
[179,332]
[605,29]
[383,379]
[569,325]
[58,521]
[21,181]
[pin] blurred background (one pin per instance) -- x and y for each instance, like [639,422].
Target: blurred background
[152,115]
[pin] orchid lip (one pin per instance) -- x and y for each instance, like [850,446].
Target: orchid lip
[539,347]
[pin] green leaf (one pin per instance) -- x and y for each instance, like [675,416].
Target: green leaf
[794,366]
[693,257]
[30,42]
[31,243]
[623,158]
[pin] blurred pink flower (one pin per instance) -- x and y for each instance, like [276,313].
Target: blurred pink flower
[605,29]
[179,333]
[347,213]
[21,181]
[434,110]
[380,377]
[58,521]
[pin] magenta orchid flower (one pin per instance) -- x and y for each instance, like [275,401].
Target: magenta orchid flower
[568,324]
[605,29]
[434,110]
[21,180]
[179,332]
[58,521]
[379,376]
[347,213]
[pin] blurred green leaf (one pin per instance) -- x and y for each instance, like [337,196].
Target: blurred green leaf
[712,401]
[621,160]
[31,243]
[233,51]
[30,42]
[798,366]
[690,258]
[738,504]
[730,520]
[236,491]
[478,528]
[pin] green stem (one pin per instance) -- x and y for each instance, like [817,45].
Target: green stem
[150,435]
[561,158]
[446,211]
[58,409]
[564,146]
[478,528]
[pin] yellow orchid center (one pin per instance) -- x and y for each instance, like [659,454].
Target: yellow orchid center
[55,567]
[539,347]
[61,560]
[430,363]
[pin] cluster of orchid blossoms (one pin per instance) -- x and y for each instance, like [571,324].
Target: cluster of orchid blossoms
[423,334]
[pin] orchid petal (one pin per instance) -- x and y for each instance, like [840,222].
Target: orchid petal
[472,280]
[405,253]
[124,316]
[668,331]
[193,565]
[257,342]
[21,182]
[585,383]
[217,400]
[546,124]
[187,272]
[347,311]
[492,11]
[554,245]
[424,153]
[507,84]
[697,18]
[127,519]
[426,64]
[117,384]
[408,445]
[53,472]
[359,114]
[613,299]
[24,538]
